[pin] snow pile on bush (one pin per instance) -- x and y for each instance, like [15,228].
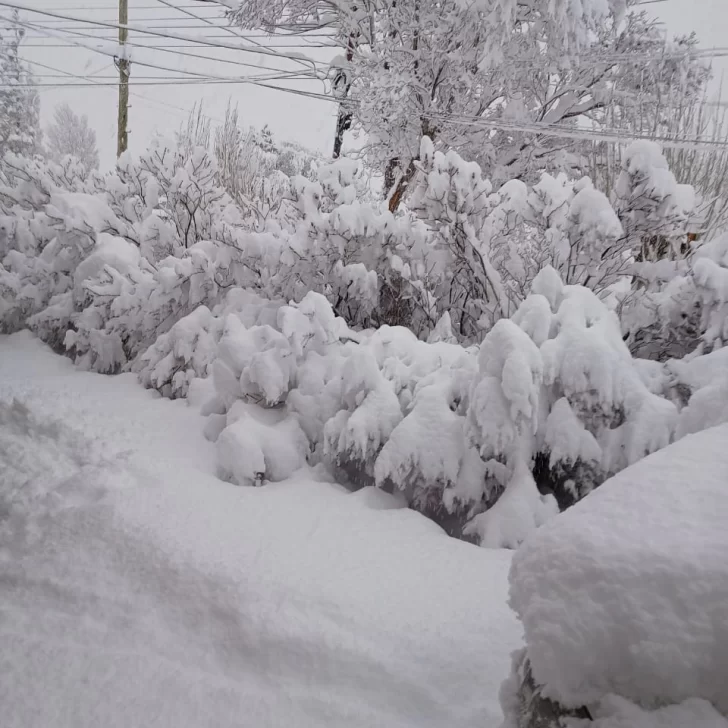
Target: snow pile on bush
[186,352]
[102,266]
[680,305]
[625,593]
[558,388]
[551,402]
[653,207]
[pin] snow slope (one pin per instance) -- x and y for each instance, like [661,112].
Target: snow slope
[139,590]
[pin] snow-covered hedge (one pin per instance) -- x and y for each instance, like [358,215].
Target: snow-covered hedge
[460,249]
[481,439]
[624,594]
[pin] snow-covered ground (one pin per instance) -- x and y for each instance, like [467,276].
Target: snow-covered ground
[140,590]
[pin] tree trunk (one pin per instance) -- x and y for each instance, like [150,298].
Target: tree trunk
[397,195]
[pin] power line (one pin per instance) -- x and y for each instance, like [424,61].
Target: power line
[204,6]
[281,72]
[179,82]
[543,129]
[84,23]
[178,109]
[568,132]
[597,60]
[62,74]
[154,19]
[229,30]
[169,82]
[191,39]
[161,47]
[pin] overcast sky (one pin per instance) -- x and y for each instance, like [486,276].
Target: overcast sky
[159,108]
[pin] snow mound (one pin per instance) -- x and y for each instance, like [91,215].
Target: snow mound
[616,712]
[626,592]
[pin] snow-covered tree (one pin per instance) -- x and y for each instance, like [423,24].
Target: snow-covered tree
[478,77]
[20,130]
[71,135]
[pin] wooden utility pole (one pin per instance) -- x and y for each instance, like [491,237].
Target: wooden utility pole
[123,65]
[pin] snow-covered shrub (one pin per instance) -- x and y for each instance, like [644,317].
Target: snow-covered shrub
[710,273]
[624,595]
[490,246]
[121,303]
[705,378]
[681,324]
[263,353]
[187,351]
[681,306]
[48,224]
[556,406]
[653,208]
[551,404]
[188,193]
[104,265]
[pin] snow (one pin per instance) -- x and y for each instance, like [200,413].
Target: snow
[139,589]
[616,712]
[626,592]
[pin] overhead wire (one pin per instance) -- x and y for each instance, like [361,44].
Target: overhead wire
[197,56]
[571,132]
[229,30]
[191,39]
[596,60]
[159,102]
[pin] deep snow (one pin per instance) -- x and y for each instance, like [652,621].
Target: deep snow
[140,590]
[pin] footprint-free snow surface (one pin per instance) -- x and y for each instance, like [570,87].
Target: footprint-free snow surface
[136,589]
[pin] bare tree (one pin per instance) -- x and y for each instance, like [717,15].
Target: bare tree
[71,135]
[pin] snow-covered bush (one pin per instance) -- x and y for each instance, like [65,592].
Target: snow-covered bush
[48,225]
[556,405]
[103,265]
[624,596]
[318,316]
[490,246]
[653,207]
[121,303]
[262,355]
[481,440]
[710,273]
[187,351]
[681,306]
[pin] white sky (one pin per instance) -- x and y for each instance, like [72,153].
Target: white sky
[162,108]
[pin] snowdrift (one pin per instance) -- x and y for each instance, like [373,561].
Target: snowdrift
[626,592]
